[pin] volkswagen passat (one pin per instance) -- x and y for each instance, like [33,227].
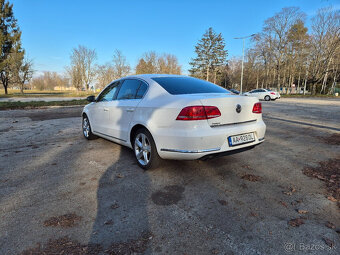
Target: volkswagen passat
[263,94]
[173,117]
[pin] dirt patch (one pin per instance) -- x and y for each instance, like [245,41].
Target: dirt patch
[50,114]
[332,140]
[63,245]
[222,202]
[136,246]
[328,172]
[169,195]
[251,177]
[65,221]
[296,222]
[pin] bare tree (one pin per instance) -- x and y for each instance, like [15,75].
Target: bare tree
[151,62]
[120,66]
[325,42]
[82,68]
[105,74]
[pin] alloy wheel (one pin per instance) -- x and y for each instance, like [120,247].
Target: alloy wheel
[86,127]
[142,149]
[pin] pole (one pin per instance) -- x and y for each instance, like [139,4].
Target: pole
[242,68]
[243,38]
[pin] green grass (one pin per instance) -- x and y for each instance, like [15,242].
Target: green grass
[38,104]
[47,93]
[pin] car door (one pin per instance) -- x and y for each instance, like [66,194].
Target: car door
[122,108]
[100,110]
[262,93]
[254,93]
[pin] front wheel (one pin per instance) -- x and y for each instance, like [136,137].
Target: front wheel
[145,149]
[87,131]
[267,98]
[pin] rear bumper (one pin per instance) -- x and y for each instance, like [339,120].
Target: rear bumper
[203,142]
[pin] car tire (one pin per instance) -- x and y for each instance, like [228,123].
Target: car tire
[267,98]
[86,128]
[145,149]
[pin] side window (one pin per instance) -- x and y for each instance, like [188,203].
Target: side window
[128,89]
[108,93]
[141,91]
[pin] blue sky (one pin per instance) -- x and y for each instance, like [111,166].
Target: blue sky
[50,29]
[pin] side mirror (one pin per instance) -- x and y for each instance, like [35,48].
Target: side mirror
[91,98]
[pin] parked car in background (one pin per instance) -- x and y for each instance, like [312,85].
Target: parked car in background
[173,117]
[234,91]
[263,94]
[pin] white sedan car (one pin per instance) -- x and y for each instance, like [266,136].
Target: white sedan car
[263,94]
[173,117]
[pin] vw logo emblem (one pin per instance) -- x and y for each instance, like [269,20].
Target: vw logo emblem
[238,108]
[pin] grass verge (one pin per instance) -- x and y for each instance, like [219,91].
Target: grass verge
[45,93]
[38,104]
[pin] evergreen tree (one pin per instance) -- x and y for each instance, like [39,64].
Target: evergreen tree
[10,44]
[210,57]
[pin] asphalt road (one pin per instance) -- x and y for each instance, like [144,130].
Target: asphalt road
[240,204]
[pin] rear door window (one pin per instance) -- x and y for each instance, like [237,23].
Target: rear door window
[141,90]
[128,89]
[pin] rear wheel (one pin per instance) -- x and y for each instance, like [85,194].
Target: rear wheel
[145,149]
[267,98]
[87,132]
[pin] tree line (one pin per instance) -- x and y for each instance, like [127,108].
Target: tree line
[15,67]
[84,73]
[285,54]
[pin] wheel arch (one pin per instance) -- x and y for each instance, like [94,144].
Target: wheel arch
[133,131]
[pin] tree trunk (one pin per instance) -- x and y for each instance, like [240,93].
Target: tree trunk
[298,85]
[208,73]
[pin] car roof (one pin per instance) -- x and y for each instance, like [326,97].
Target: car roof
[149,76]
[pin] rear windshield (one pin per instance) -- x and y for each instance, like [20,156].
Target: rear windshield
[188,85]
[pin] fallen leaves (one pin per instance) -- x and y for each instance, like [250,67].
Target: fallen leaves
[119,176]
[302,211]
[222,202]
[332,139]
[284,204]
[289,192]
[330,225]
[134,246]
[331,198]
[114,206]
[63,245]
[108,222]
[65,221]
[251,177]
[329,242]
[296,222]
[329,173]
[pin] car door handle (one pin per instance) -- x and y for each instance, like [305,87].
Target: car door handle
[130,109]
[106,109]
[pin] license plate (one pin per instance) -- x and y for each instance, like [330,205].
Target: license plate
[241,139]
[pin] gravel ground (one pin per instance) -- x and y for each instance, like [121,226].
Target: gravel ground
[62,193]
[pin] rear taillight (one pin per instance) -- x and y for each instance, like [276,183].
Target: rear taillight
[198,112]
[257,108]
[272,93]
